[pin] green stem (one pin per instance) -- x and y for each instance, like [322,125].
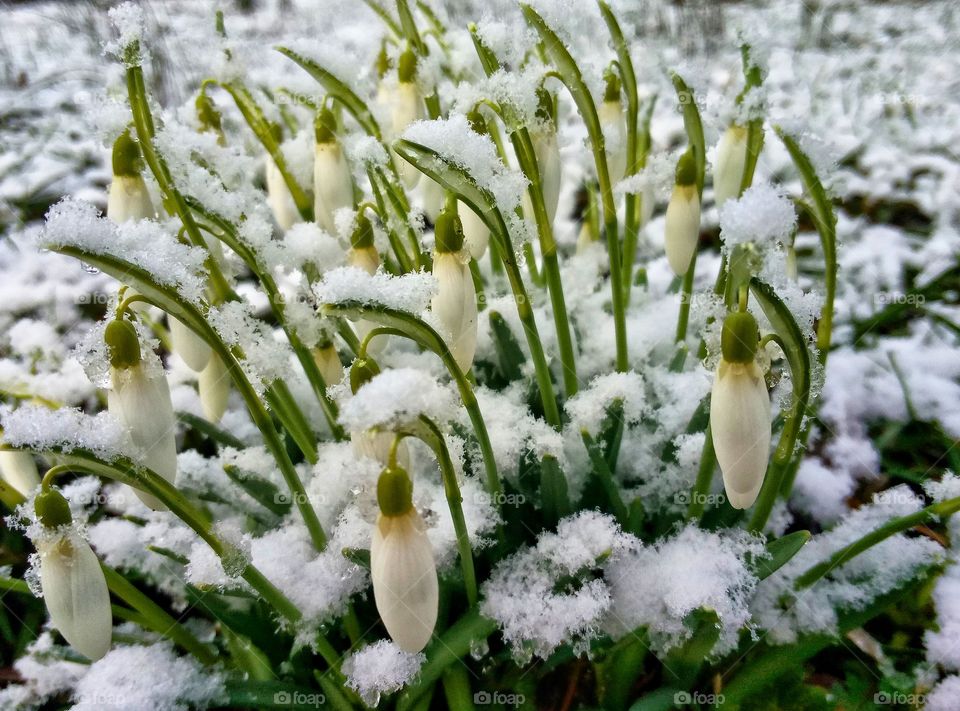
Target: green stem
[708,464]
[602,469]
[686,292]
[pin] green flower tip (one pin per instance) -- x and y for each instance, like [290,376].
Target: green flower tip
[612,90]
[362,236]
[477,122]
[362,372]
[394,491]
[52,509]
[687,168]
[382,64]
[739,337]
[407,67]
[126,155]
[448,231]
[123,344]
[325,126]
[207,114]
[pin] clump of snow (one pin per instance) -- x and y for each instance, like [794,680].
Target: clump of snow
[410,292]
[657,586]
[65,429]
[148,677]
[308,244]
[145,244]
[588,408]
[127,18]
[948,487]
[457,142]
[762,215]
[44,674]
[397,397]
[943,697]
[264,358]
[380,668]
[522,594]
[941,644]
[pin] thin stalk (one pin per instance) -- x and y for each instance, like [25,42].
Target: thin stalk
[708,464]
[602,469]
[686,292]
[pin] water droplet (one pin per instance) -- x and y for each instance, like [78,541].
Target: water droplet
[371,698]
[479,649]
[89,268]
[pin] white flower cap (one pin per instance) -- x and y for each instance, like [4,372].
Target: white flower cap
[332,182]
[278,195]
[731,159]
[402,566]
[476,234]
[19,470]
[194,351]
[406,106]
[214,387]
[682,221]
[129,198]
[455,303]
[614,126]
[740,412]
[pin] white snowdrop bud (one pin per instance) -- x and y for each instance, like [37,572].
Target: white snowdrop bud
[141,401]
[194,351]
[327,360]
[432,195]
[74,588]
[406,106]
[740,412]
[614,126]
[278,195]
[214,387]
[455,303]
[791,264]
[682,221]
[129,198]
[402,567]
[19,470]
[332,182]
[363,255]
[731,158]
[476,234]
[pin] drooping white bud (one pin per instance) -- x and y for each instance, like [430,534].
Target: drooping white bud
[332,184]
[614,126]
[129,199]
[404,577]
[19,470]
[455,306]
[476,234]
[682,221]
[406,106]
[731,158]
[214,387]
[328,363]
[75,592]
[548,163]
[194,351]
[432,195]
[278,195]
[141,401]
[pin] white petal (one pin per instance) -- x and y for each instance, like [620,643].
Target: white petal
[406,106]
[143,405]
[278,196]
[329,365]
[332,184]
[740,422]
[194,351]
[214,386]
[404,579]
[614,126]
[682,227]
[455,306]
[731,157]
[476,235]
[129,199]
[376,445]
[76,595]
[548,160]
[432,194]
[19,470]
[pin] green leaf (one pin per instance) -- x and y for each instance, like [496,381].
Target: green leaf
[510,357]
[248,657]
[687,660]
[282,405]
[659,700]
[263,491]
[553,490]
[693,126]
[209,430]
[779,552]
[265,694]
[601,470]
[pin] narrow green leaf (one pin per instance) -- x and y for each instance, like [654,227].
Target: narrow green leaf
[510,356]
[686,661]
[209,430]
[779,552]
[263,491]
[554,500]
[693,126]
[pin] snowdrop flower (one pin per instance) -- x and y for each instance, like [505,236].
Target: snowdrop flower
[791,264]
[214,387]
[475,231]
[278,194]
[731,158]
[332,183]
[141,401]
[406,106]
[74,588]
[740,412]
[194,351]
[327,360]
[432,195]
[455,304]
[402,567]
[682,227]
[19,470]
[374,444]
[363,255]
[129,198]
[614,126]
[547,151]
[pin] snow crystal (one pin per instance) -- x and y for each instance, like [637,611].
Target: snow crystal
[264,359]
[308,244]
[398,397]
[43,675]
[947,488]
[943,697]
[522,596]
[145,244]
[657,586]
[942,647]
[761,215]
[588,408]
[381,668]
[147,677]
[128,21]
[457,142]
[41,429]
[410,292]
